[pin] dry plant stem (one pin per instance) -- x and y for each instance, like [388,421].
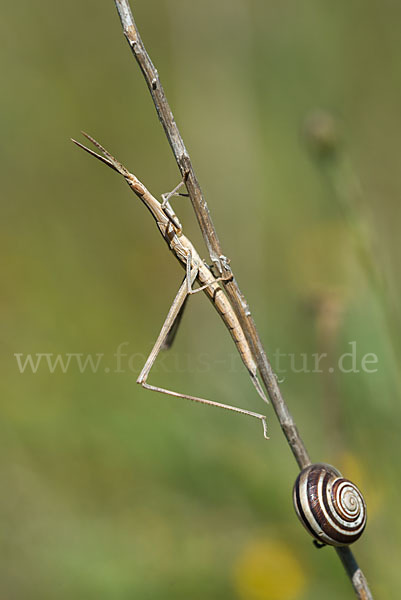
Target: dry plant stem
[214,248]
[355,574]
[171,130]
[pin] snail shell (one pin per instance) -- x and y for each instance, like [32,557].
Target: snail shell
[330,507]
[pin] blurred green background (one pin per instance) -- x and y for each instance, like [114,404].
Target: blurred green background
[109,491]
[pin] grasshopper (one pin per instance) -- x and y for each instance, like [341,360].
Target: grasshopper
[196,270]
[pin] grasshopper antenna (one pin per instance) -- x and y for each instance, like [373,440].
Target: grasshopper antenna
[107,158]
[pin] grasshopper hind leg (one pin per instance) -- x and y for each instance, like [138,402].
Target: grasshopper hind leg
[168,324]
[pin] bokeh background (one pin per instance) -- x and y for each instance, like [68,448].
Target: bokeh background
[109,491]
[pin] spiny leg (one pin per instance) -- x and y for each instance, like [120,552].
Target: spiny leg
[167,325]
[241,411]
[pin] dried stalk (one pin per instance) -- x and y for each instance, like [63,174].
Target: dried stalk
[219,259]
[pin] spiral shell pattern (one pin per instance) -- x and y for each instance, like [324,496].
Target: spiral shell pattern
[330,507]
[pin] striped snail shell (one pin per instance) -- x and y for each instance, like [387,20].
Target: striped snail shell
[330,507]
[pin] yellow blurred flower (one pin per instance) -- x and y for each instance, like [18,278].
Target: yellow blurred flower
[269,570]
